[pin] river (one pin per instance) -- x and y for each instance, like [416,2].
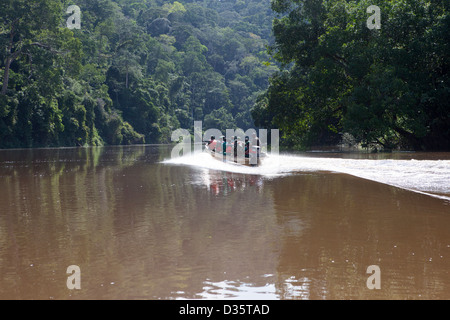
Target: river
[140,225]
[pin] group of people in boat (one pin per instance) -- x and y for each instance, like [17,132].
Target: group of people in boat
[235,146]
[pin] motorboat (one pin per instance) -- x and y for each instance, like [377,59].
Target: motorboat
[253,159]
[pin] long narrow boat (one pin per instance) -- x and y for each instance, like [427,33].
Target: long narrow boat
[238,160]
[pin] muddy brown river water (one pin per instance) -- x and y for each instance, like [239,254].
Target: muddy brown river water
[142,226]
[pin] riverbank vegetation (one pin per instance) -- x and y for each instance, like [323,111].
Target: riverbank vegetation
[137,70]
[387,87]
[134,71]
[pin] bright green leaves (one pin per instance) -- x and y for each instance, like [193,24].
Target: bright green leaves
[134,71]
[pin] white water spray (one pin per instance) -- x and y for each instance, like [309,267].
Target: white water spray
[424,176]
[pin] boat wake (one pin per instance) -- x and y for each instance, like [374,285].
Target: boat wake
[431,177]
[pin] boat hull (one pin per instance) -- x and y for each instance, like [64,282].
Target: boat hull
[235,160]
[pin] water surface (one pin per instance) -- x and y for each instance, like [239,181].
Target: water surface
[143,226]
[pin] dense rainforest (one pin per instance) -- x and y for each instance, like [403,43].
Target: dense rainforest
[132,72]
[342,80]
[135,70]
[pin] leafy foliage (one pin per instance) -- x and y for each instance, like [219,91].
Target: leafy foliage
[135,71]
[388,87]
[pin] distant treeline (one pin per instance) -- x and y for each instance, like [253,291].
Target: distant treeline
[134,71]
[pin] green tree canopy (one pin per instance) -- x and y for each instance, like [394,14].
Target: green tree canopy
[388,87]
[135,71]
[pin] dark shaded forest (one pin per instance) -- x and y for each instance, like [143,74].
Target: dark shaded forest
[386,88]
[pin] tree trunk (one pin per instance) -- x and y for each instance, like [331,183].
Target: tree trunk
[6,76]
[126,79]
[10,57]
[9,60]
[415,142]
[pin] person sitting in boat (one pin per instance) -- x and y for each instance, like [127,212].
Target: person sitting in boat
[256,144]
[224,146]
[229,148]
[212,144]
[235,148]
[247,147]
